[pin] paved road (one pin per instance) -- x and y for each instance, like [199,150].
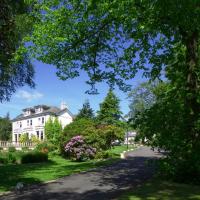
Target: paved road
[99,184]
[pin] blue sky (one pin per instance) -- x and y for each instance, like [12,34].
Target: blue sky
[50,90]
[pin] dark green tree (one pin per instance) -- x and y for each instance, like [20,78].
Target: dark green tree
[163,125]
[109,112]
[5,128]
[15,70]
[85,112]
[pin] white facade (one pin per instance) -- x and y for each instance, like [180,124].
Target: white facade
[130,137]
[33,120]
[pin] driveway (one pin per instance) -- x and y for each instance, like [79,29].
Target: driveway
[98,184]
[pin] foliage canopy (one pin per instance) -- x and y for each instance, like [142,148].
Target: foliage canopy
[5,128]
[15,69]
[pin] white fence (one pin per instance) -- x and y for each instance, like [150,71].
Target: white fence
[18,145]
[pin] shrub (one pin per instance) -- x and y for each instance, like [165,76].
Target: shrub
[8,158]
[34,157]
[77,127]
[77,149]
[24,138]
[11,149]
[3,160]
[98,136]
[34,139]
[45,147]
[102,155]
[11,158]
[25,149]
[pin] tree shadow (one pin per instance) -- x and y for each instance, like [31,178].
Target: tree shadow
[11,174]
[161,190]
[100,184]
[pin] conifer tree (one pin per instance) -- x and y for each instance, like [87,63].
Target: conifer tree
[109,112]
[85,112]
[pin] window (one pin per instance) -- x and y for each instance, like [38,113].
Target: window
[15,137]
[27,122]
[38,119]
[42,120]
[31,122]
[38,134]
[20,124]
[41,135]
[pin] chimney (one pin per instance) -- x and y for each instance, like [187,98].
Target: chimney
[63,105]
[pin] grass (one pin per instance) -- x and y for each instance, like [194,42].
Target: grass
[118,149]
[57,167]
[162,190]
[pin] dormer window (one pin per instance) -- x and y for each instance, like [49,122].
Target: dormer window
[38,109]
[28,111]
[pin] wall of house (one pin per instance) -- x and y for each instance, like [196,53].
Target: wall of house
[24,126]
[65,119]
[37,127]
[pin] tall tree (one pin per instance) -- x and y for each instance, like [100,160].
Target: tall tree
[141,98]
[85,112]
[5,128]
[53,130]
[109,112]
[15,70]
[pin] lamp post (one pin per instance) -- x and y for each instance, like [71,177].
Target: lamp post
[126,130]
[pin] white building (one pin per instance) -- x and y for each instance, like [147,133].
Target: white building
[130,137]
[32,120]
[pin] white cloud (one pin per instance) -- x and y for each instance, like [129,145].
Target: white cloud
[29,96]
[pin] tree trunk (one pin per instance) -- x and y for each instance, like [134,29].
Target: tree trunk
[192,86]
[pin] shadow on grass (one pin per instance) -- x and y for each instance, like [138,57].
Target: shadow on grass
[55,168]
[161,190]
[110,182]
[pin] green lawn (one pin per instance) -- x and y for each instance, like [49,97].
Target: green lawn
[161,190]
[56,167]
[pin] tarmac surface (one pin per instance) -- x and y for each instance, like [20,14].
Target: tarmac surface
[103,183]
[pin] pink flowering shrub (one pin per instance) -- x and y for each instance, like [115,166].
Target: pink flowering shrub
[77,149]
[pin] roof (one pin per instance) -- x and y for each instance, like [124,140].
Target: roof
[51,110]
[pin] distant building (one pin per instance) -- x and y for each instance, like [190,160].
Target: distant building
[32,120]
[130,137]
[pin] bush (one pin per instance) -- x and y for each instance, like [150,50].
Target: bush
[25,149]
[98,136]
[45,147]
[3,160]
[8,158]
[11,158]
[102,155]
[34,157]
[77,127]
[24,138]
[11,149]
[77,149]
[34,139]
